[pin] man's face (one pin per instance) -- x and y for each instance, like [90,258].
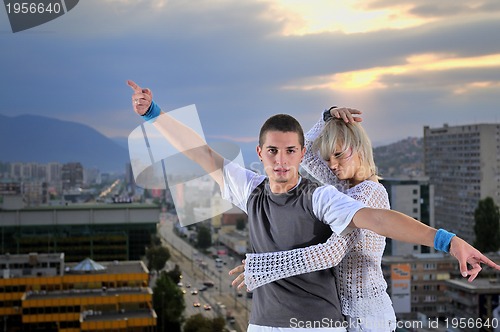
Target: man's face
[281,155]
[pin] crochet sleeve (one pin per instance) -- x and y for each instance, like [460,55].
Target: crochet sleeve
[372,194]
[315,165]
[263,268]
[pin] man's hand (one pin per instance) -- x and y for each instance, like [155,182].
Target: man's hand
[141,99]
[465,253]
[346,113]
[239,281]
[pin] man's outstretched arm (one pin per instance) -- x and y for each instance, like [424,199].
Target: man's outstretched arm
[398,226]
[183,138]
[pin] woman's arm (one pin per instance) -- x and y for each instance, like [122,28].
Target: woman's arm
[314,165]
[312,162]
[263,268]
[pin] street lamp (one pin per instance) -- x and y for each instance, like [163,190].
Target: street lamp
[220,282]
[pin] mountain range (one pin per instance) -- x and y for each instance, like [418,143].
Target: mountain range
[33,138]
[404,158]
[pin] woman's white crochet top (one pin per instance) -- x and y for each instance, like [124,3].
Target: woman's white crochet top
[356,256]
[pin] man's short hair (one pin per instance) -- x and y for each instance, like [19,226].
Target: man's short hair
[284,123]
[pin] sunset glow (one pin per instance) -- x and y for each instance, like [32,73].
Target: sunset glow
[371,78]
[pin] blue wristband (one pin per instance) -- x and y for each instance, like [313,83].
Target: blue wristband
[442,240]
[152,112]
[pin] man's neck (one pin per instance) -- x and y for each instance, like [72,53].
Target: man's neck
[283,187]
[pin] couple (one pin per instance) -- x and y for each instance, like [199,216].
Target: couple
[287,212]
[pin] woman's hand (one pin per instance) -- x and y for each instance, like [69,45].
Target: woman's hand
[346,113]
[239,281]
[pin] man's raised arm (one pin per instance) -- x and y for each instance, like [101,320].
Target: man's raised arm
[183,138]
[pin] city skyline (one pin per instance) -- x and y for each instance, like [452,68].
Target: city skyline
[405,64]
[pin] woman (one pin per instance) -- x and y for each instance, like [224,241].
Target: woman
[339,153]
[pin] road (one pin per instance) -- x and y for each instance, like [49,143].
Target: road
[221,297]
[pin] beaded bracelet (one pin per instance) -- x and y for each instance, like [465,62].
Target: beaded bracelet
[442,240]
[152,112]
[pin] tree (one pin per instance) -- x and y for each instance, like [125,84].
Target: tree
[168,302]
[155,240]
[175,274]
[204,237]
[198,323]
[157,256]
[487,227]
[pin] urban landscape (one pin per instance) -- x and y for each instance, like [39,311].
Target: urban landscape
[85,251]
[121,120]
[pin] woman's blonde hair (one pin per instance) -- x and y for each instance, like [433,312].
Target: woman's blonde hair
[346,135]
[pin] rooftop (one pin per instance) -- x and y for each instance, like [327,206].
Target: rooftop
[479,285]
[115,267]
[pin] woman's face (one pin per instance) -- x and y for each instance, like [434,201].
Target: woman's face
[345,165]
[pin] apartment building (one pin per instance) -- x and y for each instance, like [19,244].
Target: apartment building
[417,283]
[463,164]
[475,306]
[415,198]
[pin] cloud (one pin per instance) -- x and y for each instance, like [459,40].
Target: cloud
[240,62]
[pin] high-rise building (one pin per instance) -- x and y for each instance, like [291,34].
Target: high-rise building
[16,170]
[415,198]
[54,172]
[72,175]
[463,164]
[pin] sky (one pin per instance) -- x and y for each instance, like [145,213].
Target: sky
[405,63]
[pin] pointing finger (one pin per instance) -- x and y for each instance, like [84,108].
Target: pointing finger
[134,86]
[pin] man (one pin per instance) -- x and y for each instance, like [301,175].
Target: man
[286,211]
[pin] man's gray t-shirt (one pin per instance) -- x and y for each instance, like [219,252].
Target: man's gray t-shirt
[295,219]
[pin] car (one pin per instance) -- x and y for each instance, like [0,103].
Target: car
[183,291]
[196,304]
[203,288]
[188,285]
[218,262]
[207,307]
[208,283]
[194,292]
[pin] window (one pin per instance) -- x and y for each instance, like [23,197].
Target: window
[430,298]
